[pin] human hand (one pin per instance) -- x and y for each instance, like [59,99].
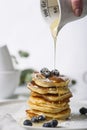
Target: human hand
[77,6]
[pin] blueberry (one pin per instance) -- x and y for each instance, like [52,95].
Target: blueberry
[45,72]
[27,122]
[73,82]
[41,118]
[83,110]
[54,123]
[34,119]
[44,69]
[48,124]
[55,72]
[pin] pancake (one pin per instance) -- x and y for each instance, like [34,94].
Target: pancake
[37,100]
[49,82]
[52,97]
[51,90]
[60,116]
[47,108]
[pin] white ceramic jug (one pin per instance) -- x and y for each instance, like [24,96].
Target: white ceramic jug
[51,8]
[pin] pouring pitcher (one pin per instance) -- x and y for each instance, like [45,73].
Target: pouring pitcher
[53,9]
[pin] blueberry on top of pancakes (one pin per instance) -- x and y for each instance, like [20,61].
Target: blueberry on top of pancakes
[55,72]
[45,72]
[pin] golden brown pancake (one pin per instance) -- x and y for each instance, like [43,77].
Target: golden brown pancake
[61,115]
[52,90]
[37,100]
[49,82]
[47,108]
[52,97]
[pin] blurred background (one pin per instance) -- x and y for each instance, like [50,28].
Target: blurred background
[22,27]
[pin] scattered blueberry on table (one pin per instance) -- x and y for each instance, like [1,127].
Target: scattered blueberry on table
[27,122]
[41,118]
[37,119]
[48,124]
[52,124]
[83,110]
[34,119]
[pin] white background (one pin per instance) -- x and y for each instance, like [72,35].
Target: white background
[23,28]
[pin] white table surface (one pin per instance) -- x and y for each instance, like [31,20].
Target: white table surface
[8,107]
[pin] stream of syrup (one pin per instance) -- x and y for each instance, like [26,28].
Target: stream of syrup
[54,27]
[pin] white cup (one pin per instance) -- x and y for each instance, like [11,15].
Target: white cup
[9,81]
[5,59]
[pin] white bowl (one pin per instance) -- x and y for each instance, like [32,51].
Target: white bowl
[9,80]
[5,59]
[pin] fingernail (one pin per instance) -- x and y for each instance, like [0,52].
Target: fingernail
[78,12]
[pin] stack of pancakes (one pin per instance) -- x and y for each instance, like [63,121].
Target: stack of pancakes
[49,97]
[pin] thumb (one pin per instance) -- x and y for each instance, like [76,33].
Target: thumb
[77,6]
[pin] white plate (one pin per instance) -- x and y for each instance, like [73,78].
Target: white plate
[77,121]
